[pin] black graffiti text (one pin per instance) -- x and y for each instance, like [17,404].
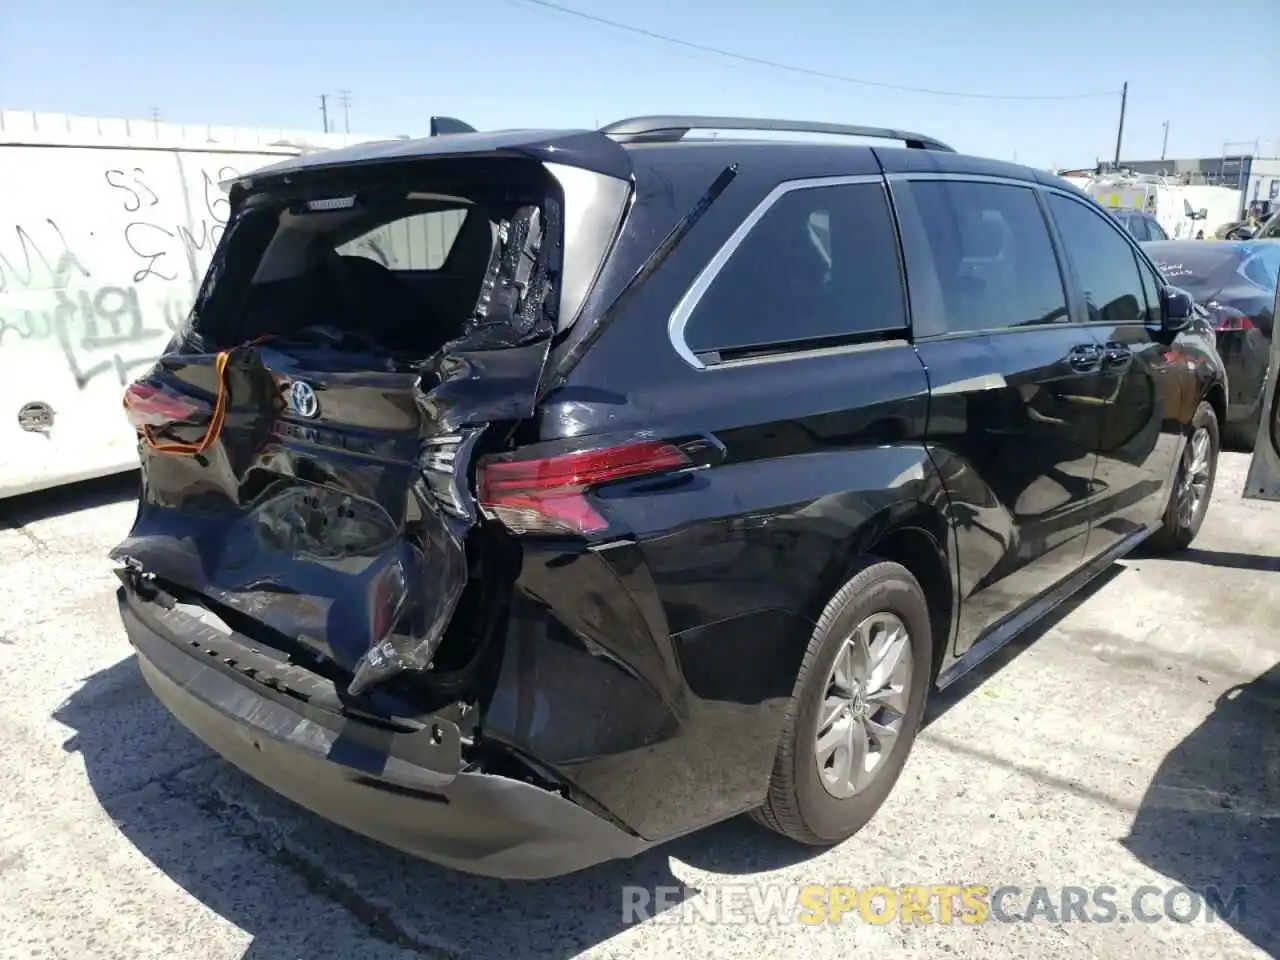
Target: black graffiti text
[137,193]
[96,330]
[216,203]
[21,270]
[94,327]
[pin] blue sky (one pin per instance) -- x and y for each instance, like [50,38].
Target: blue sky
[505,63]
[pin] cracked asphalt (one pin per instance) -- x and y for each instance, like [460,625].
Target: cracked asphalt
[1133,742]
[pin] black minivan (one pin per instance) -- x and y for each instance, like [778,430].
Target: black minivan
[525,499]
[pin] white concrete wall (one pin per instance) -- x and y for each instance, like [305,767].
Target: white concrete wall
[106,229]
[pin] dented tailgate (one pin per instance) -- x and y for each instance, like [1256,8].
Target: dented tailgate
[315,487]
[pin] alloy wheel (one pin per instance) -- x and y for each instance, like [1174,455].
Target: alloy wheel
[865,704]
[1194,483]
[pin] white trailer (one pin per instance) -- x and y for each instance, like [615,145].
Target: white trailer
[106,230]
[1182,210]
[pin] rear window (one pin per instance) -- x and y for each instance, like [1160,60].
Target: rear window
[401,273]
[1134,224]
[400,259]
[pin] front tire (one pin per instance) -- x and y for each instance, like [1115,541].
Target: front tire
[1193,484]
[855,710]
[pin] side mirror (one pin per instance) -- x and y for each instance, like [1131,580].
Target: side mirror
[1203,214]
[1243,232]
[1177,308]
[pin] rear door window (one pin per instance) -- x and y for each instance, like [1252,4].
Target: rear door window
[1155,231]
[821,265]
[980,257]
[1104,262]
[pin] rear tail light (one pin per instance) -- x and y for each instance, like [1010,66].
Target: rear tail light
[154,405]
[1226,319]
[548,494]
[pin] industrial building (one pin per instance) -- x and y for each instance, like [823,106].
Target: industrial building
[1257,178]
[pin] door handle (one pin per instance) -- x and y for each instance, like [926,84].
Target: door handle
[1084,357]
[1116,356]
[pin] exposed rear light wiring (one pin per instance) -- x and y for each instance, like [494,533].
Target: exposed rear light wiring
[547,495]
[148,406]
[142,407]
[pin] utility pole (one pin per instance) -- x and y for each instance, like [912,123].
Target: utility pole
[1124,100]
[1164,147]
[344,98]
[324,111]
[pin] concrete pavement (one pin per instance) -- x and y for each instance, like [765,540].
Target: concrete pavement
[1135,741]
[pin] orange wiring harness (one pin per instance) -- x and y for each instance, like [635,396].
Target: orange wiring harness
[216,421]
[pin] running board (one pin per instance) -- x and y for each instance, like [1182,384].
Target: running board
[1006,630]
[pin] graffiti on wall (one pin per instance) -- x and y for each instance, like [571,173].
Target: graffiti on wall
[101,264]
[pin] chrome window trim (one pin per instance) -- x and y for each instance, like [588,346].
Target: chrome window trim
[679,318]
[968,178]
[800,352]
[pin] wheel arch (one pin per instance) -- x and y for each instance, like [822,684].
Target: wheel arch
[918,537]
[1216,397]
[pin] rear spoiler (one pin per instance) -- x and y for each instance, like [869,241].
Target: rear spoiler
[442,126]
[1263,481]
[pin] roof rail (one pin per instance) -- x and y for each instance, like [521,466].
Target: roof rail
[669,129]
[443,125]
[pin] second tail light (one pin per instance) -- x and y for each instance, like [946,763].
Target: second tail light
[155,405]
[549,494]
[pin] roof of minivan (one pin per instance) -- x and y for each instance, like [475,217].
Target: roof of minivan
[593,150]
[585,148]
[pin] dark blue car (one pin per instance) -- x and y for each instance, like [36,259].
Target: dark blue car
[1143,226]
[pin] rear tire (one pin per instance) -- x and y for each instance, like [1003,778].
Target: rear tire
[1192,486]
[816,795]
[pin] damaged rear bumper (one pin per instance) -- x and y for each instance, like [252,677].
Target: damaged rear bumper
[405,787]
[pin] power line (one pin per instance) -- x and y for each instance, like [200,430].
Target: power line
[792,68]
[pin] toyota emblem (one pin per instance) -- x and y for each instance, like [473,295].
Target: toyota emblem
[302,398]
